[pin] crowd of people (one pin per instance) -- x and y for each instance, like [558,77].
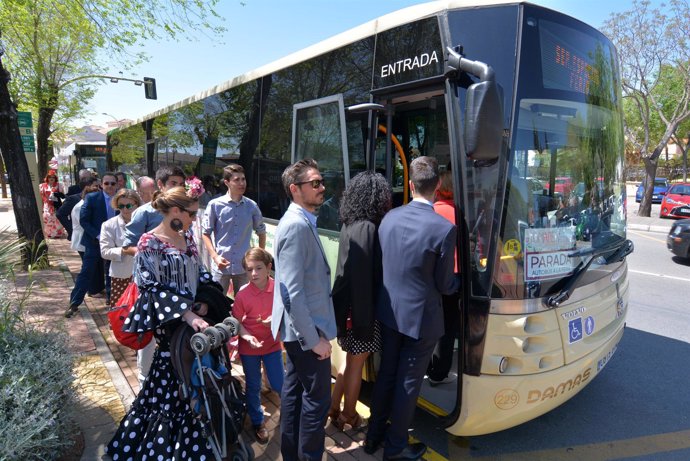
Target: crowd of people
[402,308]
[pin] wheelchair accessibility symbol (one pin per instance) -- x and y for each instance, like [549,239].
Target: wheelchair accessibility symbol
[575,330]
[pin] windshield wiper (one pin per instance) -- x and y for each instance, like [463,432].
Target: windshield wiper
[618,253]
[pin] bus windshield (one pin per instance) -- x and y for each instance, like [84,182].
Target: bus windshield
[565,190]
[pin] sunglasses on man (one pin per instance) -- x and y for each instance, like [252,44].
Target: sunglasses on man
[315,183]
[122,206]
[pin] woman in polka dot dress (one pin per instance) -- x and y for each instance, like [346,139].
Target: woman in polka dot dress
[160,425]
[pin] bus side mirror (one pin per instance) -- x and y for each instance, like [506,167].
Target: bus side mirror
[484,107]
[484,121]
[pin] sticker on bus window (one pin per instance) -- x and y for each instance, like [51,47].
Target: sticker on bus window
[547,265]
[511,248]
[547,253]
[550,239]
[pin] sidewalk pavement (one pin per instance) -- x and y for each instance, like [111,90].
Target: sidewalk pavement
[106,372]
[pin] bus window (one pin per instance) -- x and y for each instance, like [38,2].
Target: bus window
[319,132]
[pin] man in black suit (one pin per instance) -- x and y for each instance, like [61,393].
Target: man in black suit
[94,212]
[418,247]
[64,213]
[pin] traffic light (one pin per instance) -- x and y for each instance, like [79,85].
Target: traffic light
[150,88]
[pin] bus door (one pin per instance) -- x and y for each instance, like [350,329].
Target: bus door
[410,125]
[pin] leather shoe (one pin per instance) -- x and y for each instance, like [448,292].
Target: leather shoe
[71,310]
[371,445]
[413,451]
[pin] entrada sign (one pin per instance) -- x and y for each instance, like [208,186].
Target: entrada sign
[408,64]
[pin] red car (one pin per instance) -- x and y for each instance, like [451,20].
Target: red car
[563,185]
[676,202]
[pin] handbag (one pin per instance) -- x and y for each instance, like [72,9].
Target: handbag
[117,316]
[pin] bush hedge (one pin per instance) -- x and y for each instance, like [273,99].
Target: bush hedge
[36,395]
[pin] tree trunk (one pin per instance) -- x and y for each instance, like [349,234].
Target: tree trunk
[650,164]
[23,199]
[43,151]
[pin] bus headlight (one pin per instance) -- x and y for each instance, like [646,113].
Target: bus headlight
[503,365]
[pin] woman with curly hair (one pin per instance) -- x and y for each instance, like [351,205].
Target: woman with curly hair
[358,277]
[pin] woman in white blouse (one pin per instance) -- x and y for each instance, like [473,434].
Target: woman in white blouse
[112,238]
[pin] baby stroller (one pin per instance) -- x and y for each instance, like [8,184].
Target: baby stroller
[201,363]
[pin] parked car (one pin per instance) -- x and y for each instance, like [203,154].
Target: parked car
[678,240]
[562,185]
[661,186]
[676,202]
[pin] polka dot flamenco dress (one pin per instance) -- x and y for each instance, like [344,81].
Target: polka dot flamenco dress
[160,425]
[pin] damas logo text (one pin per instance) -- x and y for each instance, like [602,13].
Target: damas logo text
[408,64]
[536,395]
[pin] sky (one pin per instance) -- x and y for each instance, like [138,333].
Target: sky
[259,32]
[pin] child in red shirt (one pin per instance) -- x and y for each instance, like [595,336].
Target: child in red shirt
[253,307]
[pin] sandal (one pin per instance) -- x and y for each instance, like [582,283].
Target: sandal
[261,434]
[333,414]
[355,421]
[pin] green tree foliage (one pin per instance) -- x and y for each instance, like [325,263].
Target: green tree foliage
[44,58]
[56,50]
[654,55]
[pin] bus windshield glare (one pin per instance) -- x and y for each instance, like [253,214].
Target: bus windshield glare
[565,189]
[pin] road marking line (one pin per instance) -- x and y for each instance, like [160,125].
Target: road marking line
[613,449]
[672,277]
[647,237]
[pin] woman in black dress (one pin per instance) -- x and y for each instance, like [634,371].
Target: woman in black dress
[358,277]
[167,271]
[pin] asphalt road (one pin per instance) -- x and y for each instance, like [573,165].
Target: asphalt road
[637,409]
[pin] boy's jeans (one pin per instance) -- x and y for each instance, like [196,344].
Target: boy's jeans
[273,363]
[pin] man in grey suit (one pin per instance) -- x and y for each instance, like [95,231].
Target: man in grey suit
[303,314]
[418,248]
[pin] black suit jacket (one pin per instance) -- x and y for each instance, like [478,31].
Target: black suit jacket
[418,247]
[357,279]
[74,189]
[64,213]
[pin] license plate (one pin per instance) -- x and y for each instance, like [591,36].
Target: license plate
[684,210]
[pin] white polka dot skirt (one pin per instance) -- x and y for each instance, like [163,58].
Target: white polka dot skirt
[160,425]
[350,344]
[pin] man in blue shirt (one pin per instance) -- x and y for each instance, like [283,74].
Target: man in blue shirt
[145,217]
[230,219]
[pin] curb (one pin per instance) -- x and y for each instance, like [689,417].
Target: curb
[94,444]
[649,228]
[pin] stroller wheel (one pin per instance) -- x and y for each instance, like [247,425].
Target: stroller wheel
[200,343]
[225,331]
[233,324]
[242,453]
[214,336]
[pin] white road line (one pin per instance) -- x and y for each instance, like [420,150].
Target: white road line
[682,279]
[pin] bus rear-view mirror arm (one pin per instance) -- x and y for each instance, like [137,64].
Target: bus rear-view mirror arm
[483,108]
